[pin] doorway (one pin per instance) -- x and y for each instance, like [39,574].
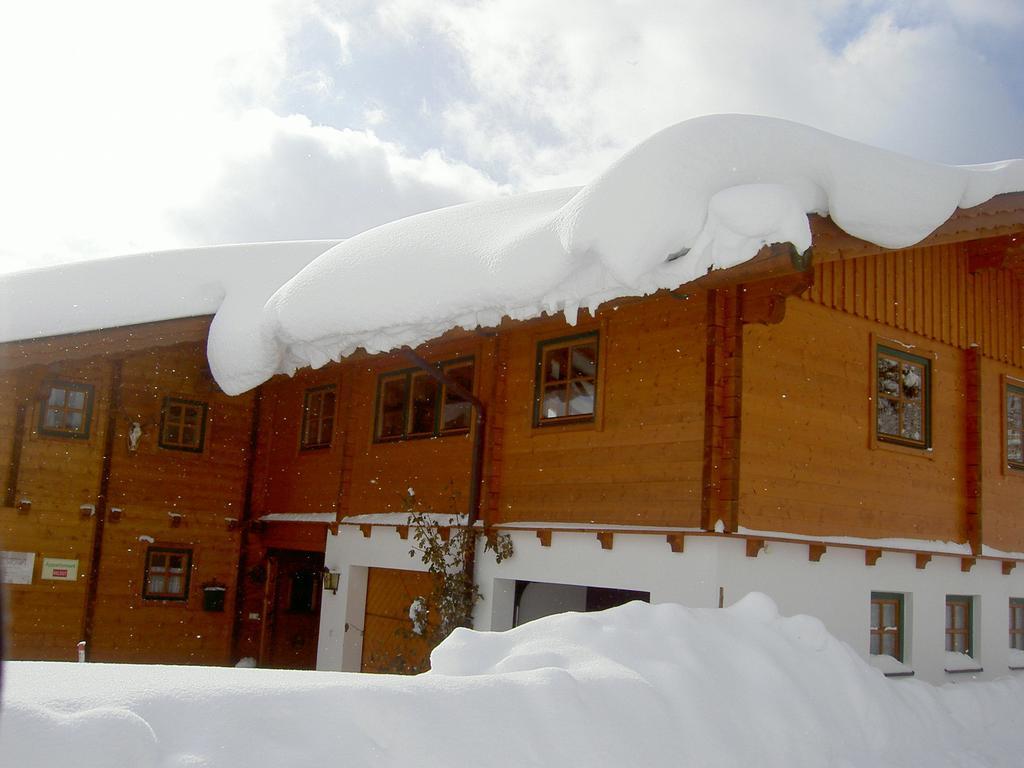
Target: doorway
[291,609]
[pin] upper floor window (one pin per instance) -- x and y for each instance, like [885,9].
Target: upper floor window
[566,380]
[1015,426]
[183,425]
[318,417]
[167,573]
[412,403]
[902,398]
[887,624]
[66,410]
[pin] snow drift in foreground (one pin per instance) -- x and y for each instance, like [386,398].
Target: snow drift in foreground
[634,686]
[706,193]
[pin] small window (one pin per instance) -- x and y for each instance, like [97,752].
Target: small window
[566,380]
[412,403]
[167,574]
[1015,426]
[887,624]
[183,425]
[66,410]
[318,418]
[903,398]
[959,615]
[1017,623]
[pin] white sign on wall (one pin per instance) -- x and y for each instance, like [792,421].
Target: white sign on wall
[57,569]
[16,567]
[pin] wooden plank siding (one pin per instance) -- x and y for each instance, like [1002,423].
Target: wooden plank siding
[809,464]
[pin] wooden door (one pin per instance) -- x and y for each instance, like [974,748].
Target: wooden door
[292,611]
[389,644]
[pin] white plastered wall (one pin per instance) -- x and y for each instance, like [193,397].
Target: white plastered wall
[836,590]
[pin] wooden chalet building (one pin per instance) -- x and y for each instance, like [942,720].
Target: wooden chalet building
[842,429]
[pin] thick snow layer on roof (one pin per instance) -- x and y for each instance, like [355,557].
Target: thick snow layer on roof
[232,282]
[703,194]
[638,685]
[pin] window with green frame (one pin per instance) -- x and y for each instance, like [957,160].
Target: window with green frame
[902,397]
[566,380]
[1014,438]
[887,624]
[412,404]
[959,624]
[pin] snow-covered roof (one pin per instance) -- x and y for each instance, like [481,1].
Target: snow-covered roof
[231,281]
[704,194]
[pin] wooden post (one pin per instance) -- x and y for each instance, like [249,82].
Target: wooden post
[974,470]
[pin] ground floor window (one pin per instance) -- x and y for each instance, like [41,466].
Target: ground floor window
[536,599]
[167,573]
[887,624]
[959,616]
[1017,623]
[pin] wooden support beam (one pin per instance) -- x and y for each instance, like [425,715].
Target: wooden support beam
[871,556]
[366,529]
[974,463]
[403,532]
[1008,566]
[814,552]
[921,560]
[966,563]
[607,539]
[333,528]
[544,534]
[676,541]
[754,546]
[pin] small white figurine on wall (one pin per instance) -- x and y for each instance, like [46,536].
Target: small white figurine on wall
[134,436]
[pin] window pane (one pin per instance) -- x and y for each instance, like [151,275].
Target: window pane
[581,400]
[76,399]
[875,643]
[1015,427]
[54,418]
[188,436]
[326,429]
[554,405]
[424,397]
[889,615]
[913,378]
[172,434]
[457,411]
[73,421]
[156,583]
[912,429]
[889,645]
[191,415]
[584,360]
[56,396]
[888,376]
[175,586]
[888,417]
[875,616]
[174,413]
[392,419]
[556,364]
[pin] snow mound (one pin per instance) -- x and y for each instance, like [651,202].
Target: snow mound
[634,686]
[704,194]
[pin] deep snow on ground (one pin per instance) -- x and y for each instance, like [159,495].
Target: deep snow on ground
[634,686]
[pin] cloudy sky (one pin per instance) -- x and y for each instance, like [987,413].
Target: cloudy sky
[130,126]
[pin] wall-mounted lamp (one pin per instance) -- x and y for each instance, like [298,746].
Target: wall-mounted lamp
[114,514]
[175,519]
[332,580]
[24,506]
[87,510]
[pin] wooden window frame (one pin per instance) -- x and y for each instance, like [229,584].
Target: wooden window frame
[305,443]
[883,598]
[545,346]
[968,630]
[1008,386]
[1016,625]
[441,395]
[172,597]
[69,386]
[881,347]
[200,444]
